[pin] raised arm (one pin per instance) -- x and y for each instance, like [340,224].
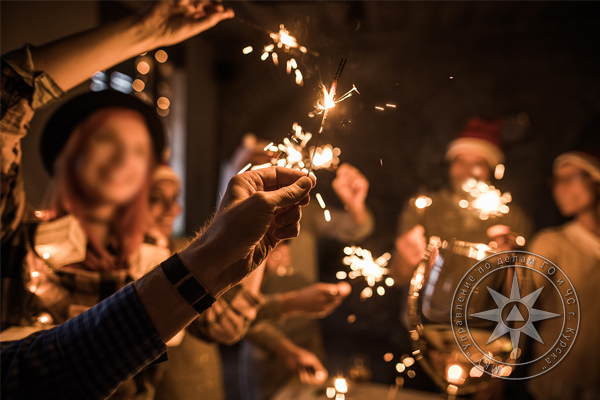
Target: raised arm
[72,60]
[94,352]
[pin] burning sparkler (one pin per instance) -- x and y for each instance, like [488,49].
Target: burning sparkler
[328,102]
[485,199]
[361,263]
[282,40]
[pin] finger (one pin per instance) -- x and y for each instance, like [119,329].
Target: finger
[304,377]
[292,194]
[287,232]
[288,216]
[276,177]
[344,289]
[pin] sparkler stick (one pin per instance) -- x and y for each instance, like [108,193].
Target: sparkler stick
[328,103]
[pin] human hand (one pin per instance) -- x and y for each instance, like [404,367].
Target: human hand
[310,370]
[504,238]
[316,301]
[171,22]
[227,322]
[259,209]
[411,246]
[351,186]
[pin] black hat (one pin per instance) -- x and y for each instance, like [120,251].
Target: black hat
[60,127]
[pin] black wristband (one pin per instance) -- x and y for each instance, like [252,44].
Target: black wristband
[186,284]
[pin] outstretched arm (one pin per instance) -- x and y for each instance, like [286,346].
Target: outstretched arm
[72,60]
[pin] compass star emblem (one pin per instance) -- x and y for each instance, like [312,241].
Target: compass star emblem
[515,316]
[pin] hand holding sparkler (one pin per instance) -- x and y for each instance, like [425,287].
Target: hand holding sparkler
[310,370]
[315,301]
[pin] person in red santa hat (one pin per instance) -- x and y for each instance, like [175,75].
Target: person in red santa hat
[473,157]
[575,248]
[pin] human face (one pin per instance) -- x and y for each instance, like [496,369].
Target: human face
[574,190]
[465,166]
[164,207]
[115,162]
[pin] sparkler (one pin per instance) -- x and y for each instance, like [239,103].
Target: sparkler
[284,41]
[361,263]
[485,199]
[328,102]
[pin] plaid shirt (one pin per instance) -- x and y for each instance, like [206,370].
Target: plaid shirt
[85,357]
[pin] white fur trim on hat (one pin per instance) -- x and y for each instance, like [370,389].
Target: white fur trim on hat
[492,154]
[166,173]
[582,160]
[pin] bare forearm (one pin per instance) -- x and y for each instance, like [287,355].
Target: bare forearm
[74,59]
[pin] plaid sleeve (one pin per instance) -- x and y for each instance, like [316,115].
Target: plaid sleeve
[88,356]
[23,90]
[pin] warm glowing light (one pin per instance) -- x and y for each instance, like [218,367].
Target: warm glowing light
[423,201]
[341,385]
[327,215]
[455,374]
[264,56]
[46,256]
[499,171]
[39,214]
[408,361]
[487,200]
[400,367]
[381,290]
[35,274]
[390,105]
[320,200]
[161,112]
[463,203]
[379,108]
[143,67]
[520,240]
[330,392]
[366,293]
[163,103]
[387,357]
[389,281]
[45,318]
[351,318]
[476,372]
[341,275]
[362,264]
[299,78]
[161,56]
[138,85]
[32,288]
[247,50]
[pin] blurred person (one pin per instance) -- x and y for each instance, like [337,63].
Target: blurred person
[475,153]
[101,149]
[197,354]
[90,355]
[575,248]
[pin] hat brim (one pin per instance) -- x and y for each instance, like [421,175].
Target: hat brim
[490,152]
[59,128]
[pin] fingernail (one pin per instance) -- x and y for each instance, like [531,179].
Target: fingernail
[304,183]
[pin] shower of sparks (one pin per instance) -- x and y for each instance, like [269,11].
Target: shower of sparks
[282,40]
[485,199]
[374,271]
[327,103]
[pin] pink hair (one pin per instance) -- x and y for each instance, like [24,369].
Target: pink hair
[128,224]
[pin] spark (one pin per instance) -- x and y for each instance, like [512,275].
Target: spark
[379,108]
[281,40]
[245,168]
[320,200]
[390,105]
[485,199]
[422,202]
[328,102]
[362,263]
[327,215]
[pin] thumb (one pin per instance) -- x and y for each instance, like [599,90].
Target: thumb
[291,195]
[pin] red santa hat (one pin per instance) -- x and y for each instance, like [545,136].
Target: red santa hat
[588,160]
[480,137]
